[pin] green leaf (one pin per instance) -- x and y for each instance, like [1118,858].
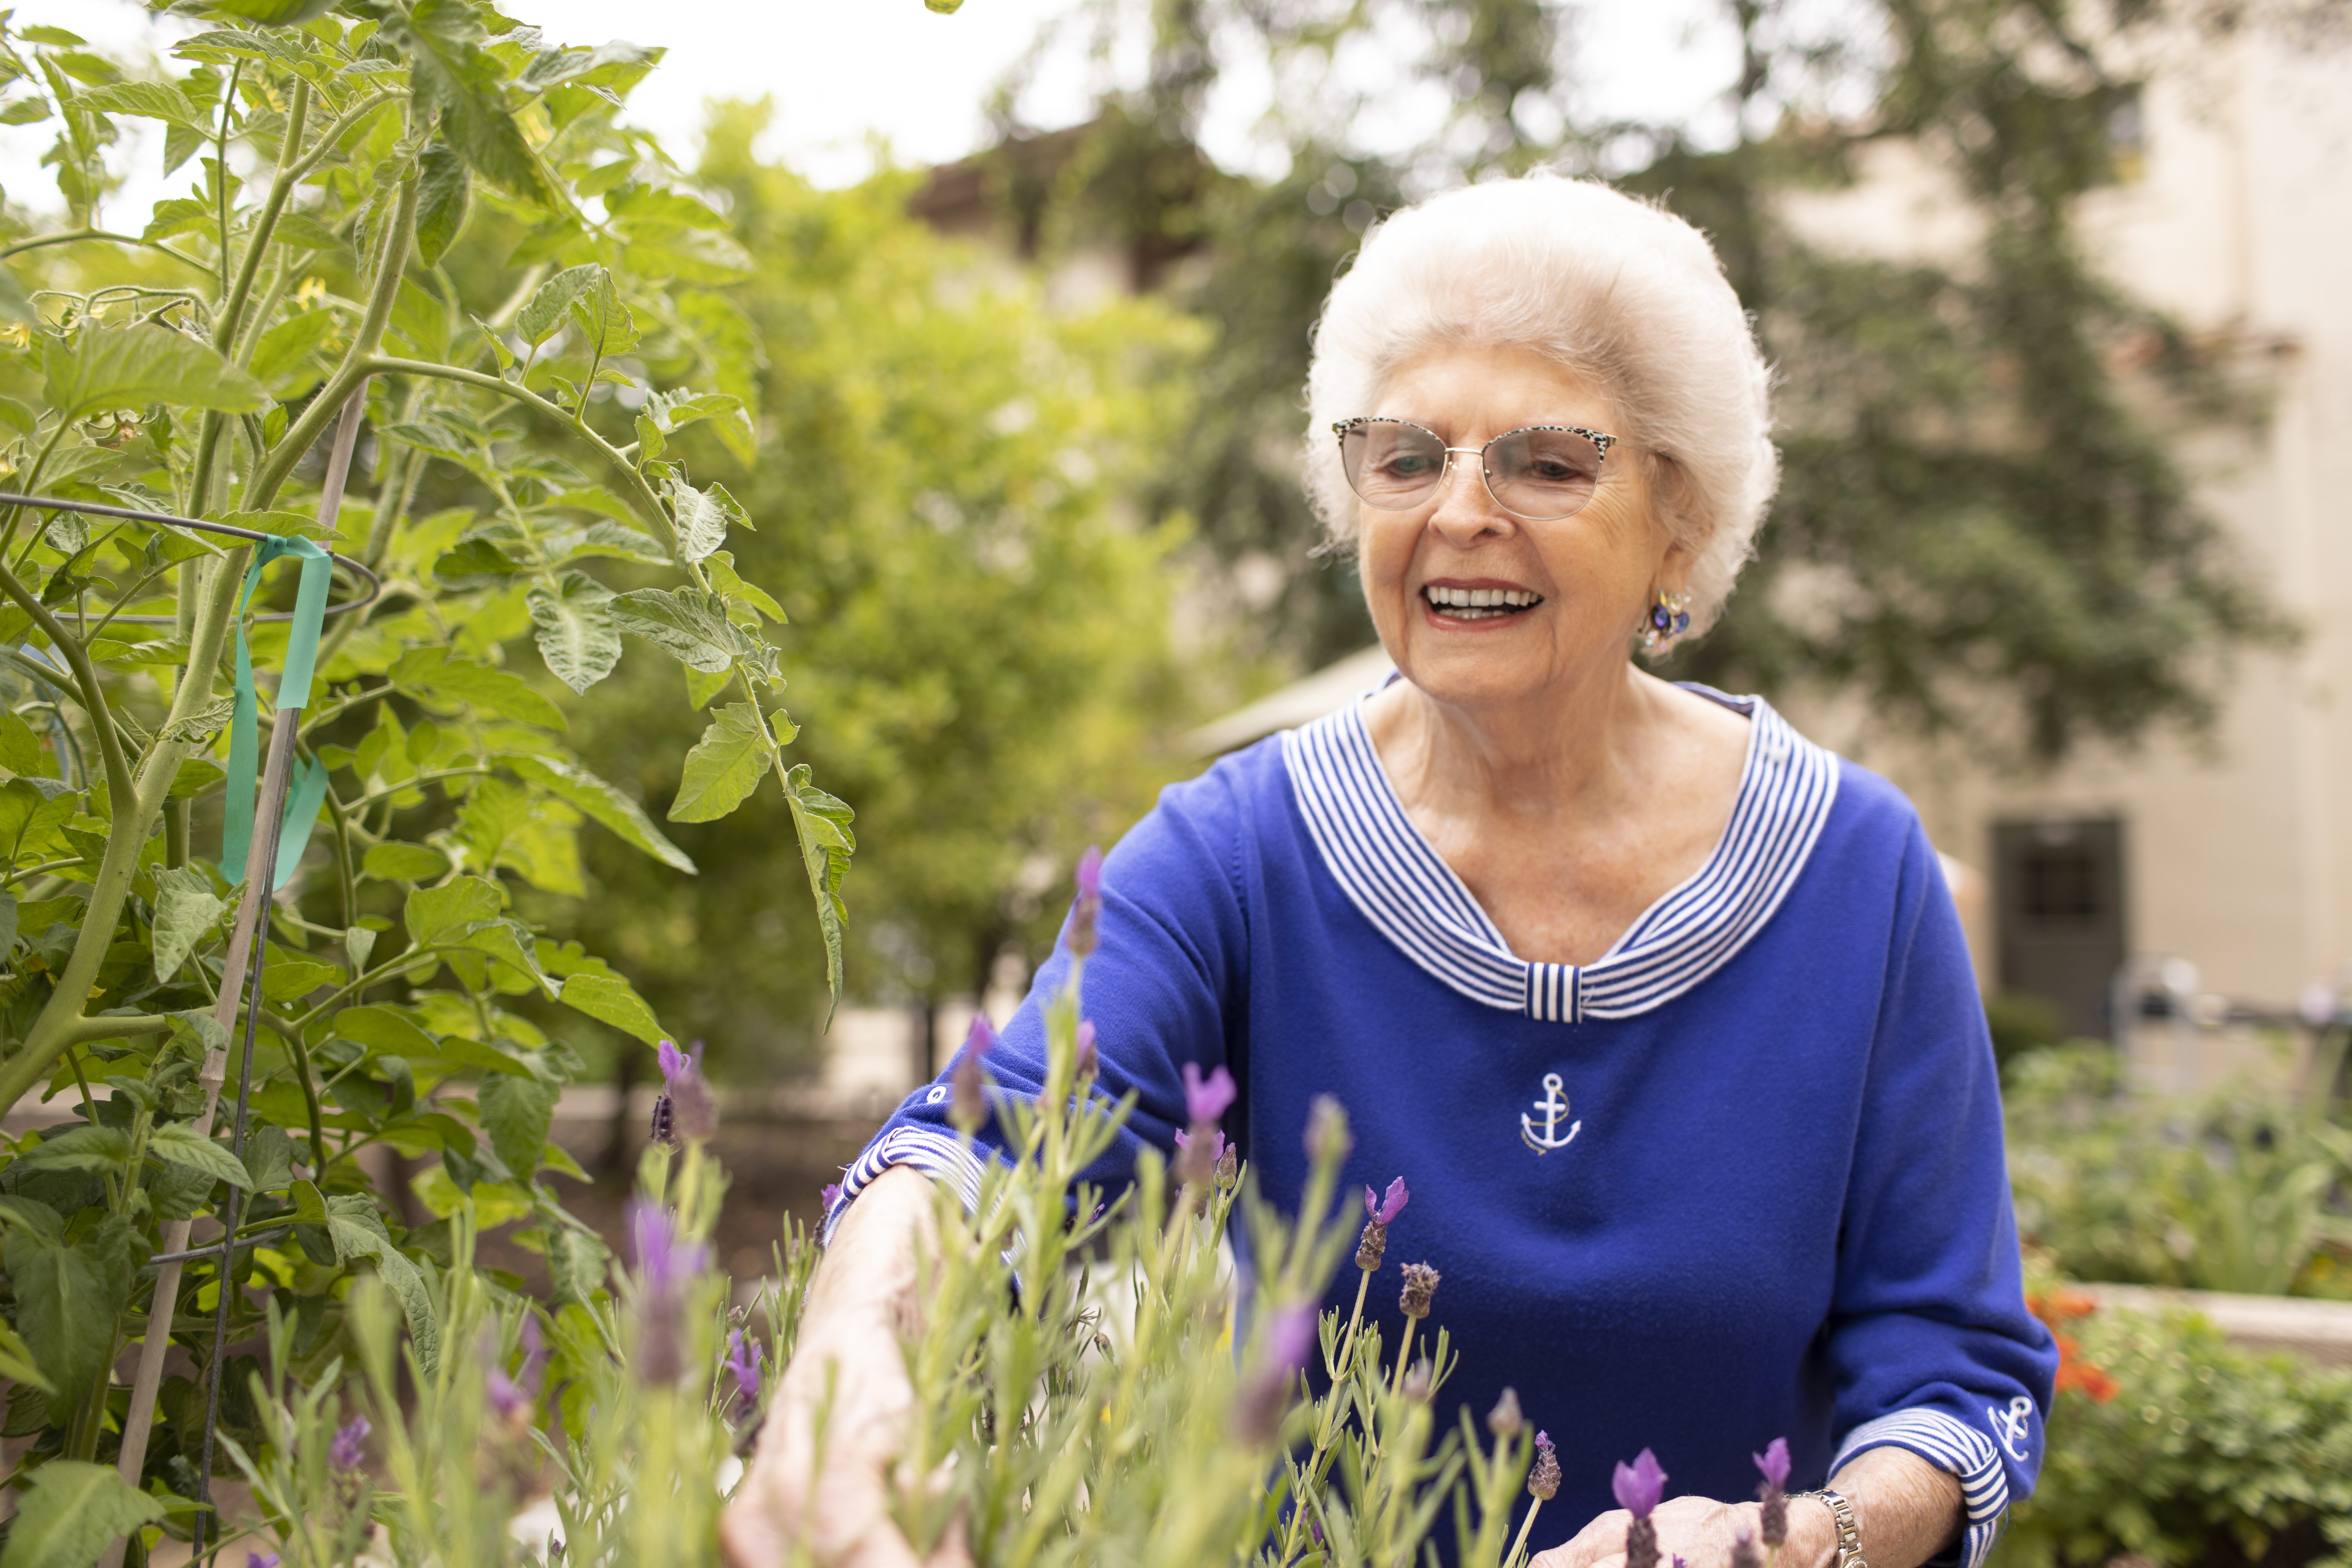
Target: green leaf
[17,1362]
[443,191]
[601,314]
[73,1512]
[609,999]
[176,1143]
[283,357]
[271,12]
[732,588]
[517,1113]
[383,1030]
[724,767]
[187,910]
[358,1232]
[397,862]
[691,626]
[579,788]
[63,1309]
[575,1267]
[576,635]
[269,1159]
[475,563]
[451,73]
[148,100]
[130,367]
[447,913]
[543,313]
[827,844]
[20,749]
[431,675]
[703,518]
[82,1148]
[285,979]
[201,725]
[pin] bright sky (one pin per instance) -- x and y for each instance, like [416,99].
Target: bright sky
[845,74]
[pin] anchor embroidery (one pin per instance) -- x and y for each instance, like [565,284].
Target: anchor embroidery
[2013,1428]
[1554,1105]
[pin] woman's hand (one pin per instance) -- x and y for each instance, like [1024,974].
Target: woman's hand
[1700,1532]
[835,1505]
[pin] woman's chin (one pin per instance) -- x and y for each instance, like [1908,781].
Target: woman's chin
[1479,671]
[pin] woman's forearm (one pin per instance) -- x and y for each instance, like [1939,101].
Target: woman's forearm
[1906,1508]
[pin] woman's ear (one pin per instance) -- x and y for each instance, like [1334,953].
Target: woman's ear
[1674,506]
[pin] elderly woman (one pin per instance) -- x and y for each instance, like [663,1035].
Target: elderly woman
[1663,1011]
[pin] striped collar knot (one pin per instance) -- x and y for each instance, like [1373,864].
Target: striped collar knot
[1398,882]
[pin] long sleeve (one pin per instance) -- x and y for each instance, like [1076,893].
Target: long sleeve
[1163,988]
[1930,1346]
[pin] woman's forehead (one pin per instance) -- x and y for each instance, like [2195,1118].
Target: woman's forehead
[1459,389]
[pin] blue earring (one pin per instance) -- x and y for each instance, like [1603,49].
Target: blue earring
[1669,619]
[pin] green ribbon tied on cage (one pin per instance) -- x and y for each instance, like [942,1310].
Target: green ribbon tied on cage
[306,790]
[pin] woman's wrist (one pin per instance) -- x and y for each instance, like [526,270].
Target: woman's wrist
[1812,1540]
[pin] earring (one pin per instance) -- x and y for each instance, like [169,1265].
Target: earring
[1669,619]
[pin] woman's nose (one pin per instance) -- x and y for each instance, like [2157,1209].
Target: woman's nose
[1465,507]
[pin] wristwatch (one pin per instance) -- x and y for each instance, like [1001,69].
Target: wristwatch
[1849,1542]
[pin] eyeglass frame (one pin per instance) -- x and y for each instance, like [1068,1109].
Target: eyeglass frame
[1340,428]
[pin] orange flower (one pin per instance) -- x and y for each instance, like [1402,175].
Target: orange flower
[2084,1377]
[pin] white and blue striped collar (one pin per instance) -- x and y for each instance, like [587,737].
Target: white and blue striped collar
[1391,873]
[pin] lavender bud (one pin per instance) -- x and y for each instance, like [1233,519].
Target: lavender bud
[1371,1245]
[1264,1393]
[691,1114]
[1641,1544]
[665,1129]
[1773,1465]
[1543,1481]
[1420,1285]
[1229,1165]
[1085,911]
[1505,1420]
[1775,1518]
[348,1452]
[1744,1553]
[968,1107]
[1419,1380]
[1089,1058]
[1326,1131]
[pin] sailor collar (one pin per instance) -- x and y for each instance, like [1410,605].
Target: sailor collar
[1399,882]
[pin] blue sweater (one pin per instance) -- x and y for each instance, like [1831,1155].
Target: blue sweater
[1740,1178]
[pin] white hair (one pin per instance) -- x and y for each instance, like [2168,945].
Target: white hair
[1610,286]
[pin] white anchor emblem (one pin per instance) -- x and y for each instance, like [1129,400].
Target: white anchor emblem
[1554,1105]
[2014,1428]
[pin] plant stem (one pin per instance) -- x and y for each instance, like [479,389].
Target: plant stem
[1511,1558]
[229,322]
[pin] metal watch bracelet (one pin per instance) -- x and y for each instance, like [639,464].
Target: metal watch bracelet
[1849,1541]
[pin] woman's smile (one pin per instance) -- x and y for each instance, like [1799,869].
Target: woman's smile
[1459,603]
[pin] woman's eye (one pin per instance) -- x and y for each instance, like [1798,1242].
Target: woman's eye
[1408,467]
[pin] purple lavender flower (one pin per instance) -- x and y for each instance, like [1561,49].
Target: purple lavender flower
[1202,1144]
[744,1359]
[666,1263]
[261,1560]
[506,1396]
[1086,911]
[1639,1486]
[1773,1462]
[1089,1058]
[1379,1211]
[1264,1393]
[1207,1099]
[686,1111]
[829,1194]
[969,1108]
[348,1452]
[1543,1481]
[534,1353]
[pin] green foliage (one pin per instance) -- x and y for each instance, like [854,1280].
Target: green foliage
[980,621]
[2201,1453]
[2241,1190]
[417,241]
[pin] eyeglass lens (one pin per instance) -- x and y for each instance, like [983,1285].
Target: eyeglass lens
[1539,474]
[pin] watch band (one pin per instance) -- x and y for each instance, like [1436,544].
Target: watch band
[1849,1542]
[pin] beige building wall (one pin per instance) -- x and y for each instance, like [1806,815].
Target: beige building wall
[2237,850]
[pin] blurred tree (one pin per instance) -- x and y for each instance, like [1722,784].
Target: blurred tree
[1982,525]
[981,661]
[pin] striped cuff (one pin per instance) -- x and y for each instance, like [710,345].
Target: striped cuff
[1949,1444]
[938,1155]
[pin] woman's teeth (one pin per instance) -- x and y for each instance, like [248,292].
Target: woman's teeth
[1480,604]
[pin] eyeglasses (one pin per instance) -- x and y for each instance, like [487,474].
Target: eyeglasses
[1540,474]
